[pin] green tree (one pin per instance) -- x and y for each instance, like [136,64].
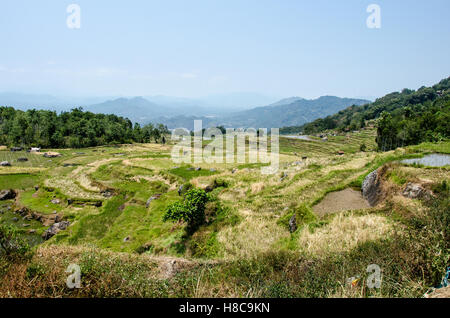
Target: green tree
[191,209]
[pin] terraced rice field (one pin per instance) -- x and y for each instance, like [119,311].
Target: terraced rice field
[103,193]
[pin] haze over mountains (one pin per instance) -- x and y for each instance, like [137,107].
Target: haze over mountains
[291,111]
[229,110]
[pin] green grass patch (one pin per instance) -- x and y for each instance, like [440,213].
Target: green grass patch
[19,181]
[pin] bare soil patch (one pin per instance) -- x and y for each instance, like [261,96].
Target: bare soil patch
[344,200]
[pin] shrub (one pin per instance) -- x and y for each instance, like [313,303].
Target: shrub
[191,209]
[11,244]
[35,270]
[363,147]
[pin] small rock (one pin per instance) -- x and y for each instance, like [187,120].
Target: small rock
[54,229]
[14,219]
[55,201]
[413,191]
[22,159]
[293,224]
[5,164]
[107,193]
[209,188]
[7,194]
[234,170]
[52,154]
[149,201]
[126,239]
[144,248]
[198,169]
[180,189]
[22,211]
[32,231]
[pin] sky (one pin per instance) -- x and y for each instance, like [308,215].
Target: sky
[193,48]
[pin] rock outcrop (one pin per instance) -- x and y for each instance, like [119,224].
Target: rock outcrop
[55,229]
[371,188]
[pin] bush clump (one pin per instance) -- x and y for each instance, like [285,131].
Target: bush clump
[11,244]
[191,209]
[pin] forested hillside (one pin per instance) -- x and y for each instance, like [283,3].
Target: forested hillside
[403,118]
[74,129]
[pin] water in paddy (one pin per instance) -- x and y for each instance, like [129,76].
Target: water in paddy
[302,137]
[433,160]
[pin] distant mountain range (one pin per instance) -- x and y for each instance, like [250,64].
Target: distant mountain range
[174,112]
[292,111]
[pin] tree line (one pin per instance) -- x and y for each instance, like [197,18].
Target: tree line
[402,118]
[72,129]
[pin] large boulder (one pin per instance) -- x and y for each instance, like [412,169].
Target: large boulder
[55,229]
[7,194]
[371,188]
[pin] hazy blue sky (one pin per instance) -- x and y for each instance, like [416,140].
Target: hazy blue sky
[194,48]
